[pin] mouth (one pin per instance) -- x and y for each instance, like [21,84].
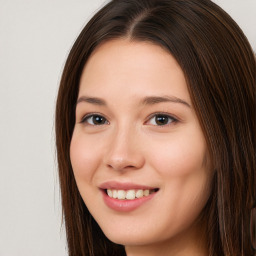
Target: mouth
[126,196]
[131,194]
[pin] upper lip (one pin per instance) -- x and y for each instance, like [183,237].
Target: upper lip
[123,185]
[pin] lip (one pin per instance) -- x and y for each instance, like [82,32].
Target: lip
[124,205]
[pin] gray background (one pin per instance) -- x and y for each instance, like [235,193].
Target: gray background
[35,37]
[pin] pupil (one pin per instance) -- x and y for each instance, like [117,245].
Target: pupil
[161,120]
[98,120]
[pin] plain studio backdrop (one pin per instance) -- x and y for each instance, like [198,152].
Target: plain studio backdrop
[35,38]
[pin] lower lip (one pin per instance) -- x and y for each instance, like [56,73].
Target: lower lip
[125,205]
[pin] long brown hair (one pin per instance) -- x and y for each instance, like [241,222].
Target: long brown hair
[219,67]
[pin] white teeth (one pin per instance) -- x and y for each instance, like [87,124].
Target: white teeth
[114,193]
[128,194]
[121,194]
[139,193]
[110,193]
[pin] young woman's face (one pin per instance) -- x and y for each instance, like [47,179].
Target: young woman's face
[138,153]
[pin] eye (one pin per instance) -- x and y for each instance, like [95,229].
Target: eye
[95,120]
[161,120]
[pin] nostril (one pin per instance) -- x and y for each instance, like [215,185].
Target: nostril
[130,167]
[121,167]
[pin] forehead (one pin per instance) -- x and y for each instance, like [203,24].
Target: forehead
[121,67]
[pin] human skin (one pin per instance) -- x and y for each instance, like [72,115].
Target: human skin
[125,143]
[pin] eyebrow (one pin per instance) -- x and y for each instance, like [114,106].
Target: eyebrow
[92,100]
[149,100]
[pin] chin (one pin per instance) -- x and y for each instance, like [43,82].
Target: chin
[128,240]
[131,237]
[127,237]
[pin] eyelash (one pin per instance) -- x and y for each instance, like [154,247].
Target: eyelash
[91,115]
[171,119]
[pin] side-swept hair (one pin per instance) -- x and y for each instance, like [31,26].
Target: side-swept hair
[219,66]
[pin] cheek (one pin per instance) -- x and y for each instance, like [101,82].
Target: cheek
[181,162]
[179,156]
[83,157]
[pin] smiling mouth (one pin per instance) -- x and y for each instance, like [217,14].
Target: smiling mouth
[129,194]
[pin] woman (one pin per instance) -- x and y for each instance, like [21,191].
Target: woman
[155,122]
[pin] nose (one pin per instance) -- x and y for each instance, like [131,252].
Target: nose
[124,152]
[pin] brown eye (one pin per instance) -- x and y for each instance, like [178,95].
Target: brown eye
[161,119]
[95,120]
